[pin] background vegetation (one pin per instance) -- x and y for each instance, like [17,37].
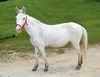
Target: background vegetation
[84,12]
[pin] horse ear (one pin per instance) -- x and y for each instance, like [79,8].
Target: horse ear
[24,9]
[17,10]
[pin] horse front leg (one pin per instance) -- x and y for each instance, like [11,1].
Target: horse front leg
[42,50]
[36,59]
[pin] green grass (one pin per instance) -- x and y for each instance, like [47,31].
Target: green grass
[84,12]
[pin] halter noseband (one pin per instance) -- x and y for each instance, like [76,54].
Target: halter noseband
[25,23]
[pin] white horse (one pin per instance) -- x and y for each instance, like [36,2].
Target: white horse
[42,35]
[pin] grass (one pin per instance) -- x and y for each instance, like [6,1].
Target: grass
[84,12]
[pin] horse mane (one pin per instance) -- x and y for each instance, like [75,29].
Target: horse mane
[34,19]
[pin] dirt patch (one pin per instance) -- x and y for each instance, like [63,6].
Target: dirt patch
[61,65]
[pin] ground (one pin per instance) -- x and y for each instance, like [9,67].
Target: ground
[60,65]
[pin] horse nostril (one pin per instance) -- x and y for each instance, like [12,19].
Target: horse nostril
[19,29]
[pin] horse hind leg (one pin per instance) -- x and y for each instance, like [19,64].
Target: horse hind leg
[80,58]
[79,64]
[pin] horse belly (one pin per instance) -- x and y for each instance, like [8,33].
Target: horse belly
[59,43]
[57,38]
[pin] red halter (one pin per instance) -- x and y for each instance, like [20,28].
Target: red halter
[25,23]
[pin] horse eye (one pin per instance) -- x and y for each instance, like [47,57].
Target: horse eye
[23,18]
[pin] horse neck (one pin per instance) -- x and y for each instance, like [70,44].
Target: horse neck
[33,25]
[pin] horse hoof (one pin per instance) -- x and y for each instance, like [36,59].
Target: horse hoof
[34,69]
[78,67]
[45,70]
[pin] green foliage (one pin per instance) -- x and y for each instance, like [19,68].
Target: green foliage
[84,12]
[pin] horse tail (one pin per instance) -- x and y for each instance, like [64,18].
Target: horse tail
[85,43]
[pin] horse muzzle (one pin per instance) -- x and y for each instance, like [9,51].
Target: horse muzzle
[18,29]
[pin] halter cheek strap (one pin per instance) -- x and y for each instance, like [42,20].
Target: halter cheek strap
[25,23]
